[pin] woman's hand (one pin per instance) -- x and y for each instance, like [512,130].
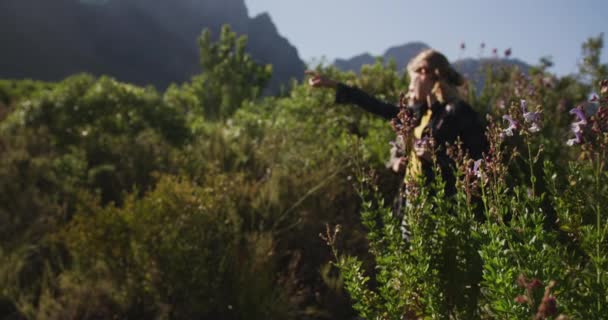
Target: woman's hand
[399,164]
[318,81]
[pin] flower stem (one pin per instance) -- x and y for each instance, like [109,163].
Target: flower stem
[599,240]
[532,176]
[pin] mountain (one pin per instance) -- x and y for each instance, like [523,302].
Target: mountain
[471,68]
[401,54]
[139,41]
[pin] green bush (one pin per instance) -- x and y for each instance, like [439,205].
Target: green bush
[181,248]
[206,201]
[537,251]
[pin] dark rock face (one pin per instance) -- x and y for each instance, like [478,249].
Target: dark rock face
[270,48]
[139,41]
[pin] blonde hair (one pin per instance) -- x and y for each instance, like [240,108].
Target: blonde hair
[448,79]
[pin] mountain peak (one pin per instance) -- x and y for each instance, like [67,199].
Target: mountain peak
[139,41]
[470,68]
[401,54]
[263,17]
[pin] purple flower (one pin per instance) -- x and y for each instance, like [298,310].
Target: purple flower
[476,168]
[581,116]
[513,125]
[534,119]
[577,127]
[534,128]
[530,117]
[578,139]
[524,106]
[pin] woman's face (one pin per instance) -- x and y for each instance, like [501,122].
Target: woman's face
[421,85]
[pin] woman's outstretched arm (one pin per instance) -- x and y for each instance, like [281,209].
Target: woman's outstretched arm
[350,95]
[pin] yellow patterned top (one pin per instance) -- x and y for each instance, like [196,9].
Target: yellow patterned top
[414,167]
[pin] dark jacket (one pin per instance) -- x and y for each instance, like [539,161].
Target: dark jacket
[447,124]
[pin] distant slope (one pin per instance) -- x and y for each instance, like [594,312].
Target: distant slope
[471,68]
[140,41]
[401,54]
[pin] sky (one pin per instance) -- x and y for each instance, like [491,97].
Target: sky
[330,29]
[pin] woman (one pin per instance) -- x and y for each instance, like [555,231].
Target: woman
[439,113]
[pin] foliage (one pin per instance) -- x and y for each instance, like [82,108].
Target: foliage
[115,135]
[591,68]
[205,201]
[230,76]
[12,90]
[523,237]
[180,248]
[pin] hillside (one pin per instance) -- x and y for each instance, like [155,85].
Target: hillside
[471,68]
[139,41]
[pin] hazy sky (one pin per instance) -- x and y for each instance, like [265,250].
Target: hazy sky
[532,28]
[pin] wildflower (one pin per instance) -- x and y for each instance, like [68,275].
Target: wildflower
[604,87]
[578,139]
[483,45]
[513,125]
[548,305]
[548,81]
[396,124]
[533,284]
[396,154]
[494,51]
[462,46]
[577,127]
[593,98]
[476,168]
[547,308]
[534,128]
[522,282]
[601,120]
[581,116]
[521,299]
[530,117]
[501,104]
[508,52]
